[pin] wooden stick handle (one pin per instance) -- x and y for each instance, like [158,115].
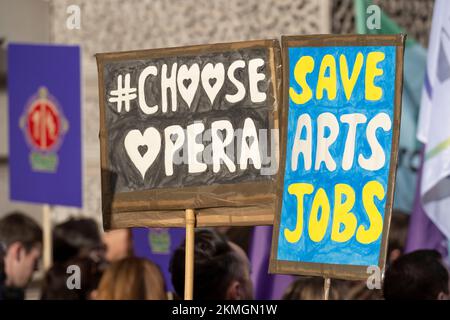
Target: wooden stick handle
[326,288]
[189,257]
[47,234]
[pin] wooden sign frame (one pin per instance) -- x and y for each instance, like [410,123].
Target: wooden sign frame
[350,272]
[243,204]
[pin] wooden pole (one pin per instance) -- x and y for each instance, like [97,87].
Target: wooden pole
[47,234]
[326,288]
[189,257]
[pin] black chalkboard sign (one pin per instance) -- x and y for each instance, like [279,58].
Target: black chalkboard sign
[189,127]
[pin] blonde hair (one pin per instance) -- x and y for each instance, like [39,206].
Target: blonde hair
[309,288]
[132,279]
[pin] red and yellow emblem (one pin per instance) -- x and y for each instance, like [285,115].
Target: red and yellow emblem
[44,126]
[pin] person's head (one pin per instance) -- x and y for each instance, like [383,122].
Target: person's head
[419,275]
[57,278]
[132,279]
[221,268]
[118,244]
[76,237]
[397,235]
[20,248]
[358,290]
[309,288]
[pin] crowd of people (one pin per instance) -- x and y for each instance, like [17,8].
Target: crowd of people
[109,271]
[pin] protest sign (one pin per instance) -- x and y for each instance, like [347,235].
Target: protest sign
[189,127]
[342,98]
[44,124]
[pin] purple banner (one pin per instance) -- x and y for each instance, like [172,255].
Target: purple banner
[44,124]
[157,245]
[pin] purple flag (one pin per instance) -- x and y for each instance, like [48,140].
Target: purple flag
[266,286]
[423,233]
[45,124]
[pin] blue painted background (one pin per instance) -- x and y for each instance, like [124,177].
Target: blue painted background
[327,251]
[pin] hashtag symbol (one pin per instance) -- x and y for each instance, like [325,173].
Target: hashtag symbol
[123,94]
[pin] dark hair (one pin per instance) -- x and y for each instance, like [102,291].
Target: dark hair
[55,282]
[398,231]
[216,264]
[419,275]
[72,237]
[17,227]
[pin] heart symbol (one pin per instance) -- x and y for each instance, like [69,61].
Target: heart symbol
[250,140]
[187,80]
[142,150]
[187,83]
[135,145]
[222,134]
[216,73]
[174,137]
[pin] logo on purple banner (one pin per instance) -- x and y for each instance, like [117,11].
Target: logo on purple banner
[44,124]
[44,127]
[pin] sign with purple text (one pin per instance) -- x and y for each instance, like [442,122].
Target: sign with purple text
[339,154]
[44,124]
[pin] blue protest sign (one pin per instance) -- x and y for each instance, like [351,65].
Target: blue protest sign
[339,154]
[44,124]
